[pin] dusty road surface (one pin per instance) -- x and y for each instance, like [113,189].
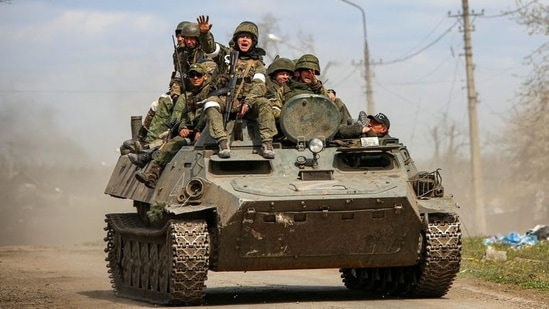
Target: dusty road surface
[75,277]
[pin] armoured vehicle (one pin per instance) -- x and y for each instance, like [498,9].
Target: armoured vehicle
[358,205]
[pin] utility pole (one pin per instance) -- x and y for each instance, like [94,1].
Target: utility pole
[367,72]
[476,166]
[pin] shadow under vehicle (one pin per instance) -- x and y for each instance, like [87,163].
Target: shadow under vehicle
[359,205]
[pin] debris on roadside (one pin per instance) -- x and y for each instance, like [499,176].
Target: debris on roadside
[531,238]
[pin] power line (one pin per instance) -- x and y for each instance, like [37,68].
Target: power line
[428,35]
[345,78]
[421,50]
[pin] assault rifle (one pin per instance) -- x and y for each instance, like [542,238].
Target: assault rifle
[231,95]
[179,67]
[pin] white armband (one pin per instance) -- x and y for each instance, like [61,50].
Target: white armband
[215,52]
[211,104]
[260,77]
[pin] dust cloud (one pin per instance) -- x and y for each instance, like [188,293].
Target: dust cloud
[51,190]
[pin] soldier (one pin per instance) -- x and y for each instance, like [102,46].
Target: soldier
[280,72]
[165,112]
[250,102]
[377,126]
[193,51]
[213,49]
[186,116]
[307,67]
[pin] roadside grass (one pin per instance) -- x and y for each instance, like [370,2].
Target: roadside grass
[527,267]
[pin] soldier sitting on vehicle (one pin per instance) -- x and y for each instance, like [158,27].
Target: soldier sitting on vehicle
[249,100]
[307,67]
[187,124]
[280,72]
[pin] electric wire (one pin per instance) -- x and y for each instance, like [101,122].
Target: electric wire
[422,49]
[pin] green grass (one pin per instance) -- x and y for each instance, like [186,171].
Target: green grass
[527,267]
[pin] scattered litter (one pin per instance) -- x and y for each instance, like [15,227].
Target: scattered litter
[512,239]
[532,237]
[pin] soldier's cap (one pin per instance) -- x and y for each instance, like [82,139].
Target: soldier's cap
[331,90]
[195,67]
[381,118]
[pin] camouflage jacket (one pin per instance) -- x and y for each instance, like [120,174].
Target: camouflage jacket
[187,112]
[345,115]
[275,94]
[295,88]
[161,117]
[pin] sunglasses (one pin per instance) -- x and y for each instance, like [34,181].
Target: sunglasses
[195,74]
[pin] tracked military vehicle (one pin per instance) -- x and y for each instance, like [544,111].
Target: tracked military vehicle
[358,205]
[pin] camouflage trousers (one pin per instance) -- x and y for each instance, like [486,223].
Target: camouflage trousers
[170,149]
[260,111]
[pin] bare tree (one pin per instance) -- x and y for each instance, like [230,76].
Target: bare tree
[276,43]
[269,27]
[528,133]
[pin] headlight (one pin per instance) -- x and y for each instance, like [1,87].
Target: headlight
[316,145]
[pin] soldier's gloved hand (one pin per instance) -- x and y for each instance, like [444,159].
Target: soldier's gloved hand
[204,23]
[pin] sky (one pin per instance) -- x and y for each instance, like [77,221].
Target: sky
[73,72]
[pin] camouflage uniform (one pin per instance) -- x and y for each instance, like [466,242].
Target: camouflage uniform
[162,116]
[184,56]
[275,91]
[297,87]
[250,72]
[186,114]
[345,115]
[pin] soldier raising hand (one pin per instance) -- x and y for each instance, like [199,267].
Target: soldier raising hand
[204,23]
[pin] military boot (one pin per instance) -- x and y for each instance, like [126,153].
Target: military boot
[140,159]
[128,146]
[267,150]
[224,150]
[363,119]
[151,177]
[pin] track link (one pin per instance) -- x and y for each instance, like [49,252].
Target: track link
[434,274]
[161,266]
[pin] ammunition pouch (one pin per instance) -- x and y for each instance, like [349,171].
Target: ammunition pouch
[247,80]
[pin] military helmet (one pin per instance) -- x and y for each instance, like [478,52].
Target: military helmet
[180,26]
[308,62]
[249,27]
[280,64]
[190,29]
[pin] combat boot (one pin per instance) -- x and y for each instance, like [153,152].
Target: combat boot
[141,159]
[267,150]
[224,150]
[151,177]
[363,119]
[128,146]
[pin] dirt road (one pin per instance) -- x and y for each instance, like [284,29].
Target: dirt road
[75,277]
